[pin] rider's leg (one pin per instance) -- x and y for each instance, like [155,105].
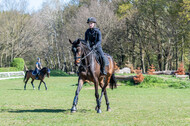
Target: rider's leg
[100,51]
[37,72]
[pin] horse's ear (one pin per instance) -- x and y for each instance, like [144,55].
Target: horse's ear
[70,41]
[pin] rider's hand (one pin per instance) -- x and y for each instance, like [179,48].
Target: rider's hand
[94,47]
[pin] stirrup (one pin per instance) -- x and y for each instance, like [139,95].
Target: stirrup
[103,72]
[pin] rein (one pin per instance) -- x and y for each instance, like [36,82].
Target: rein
[85,58]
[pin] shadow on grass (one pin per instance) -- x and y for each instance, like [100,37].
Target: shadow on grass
[40,110]
[44,111]
[19,89]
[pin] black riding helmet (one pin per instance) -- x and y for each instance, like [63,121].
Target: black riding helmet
[91,19]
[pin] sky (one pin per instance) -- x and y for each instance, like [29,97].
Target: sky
[35,4]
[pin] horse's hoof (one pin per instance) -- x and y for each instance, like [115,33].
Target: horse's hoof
[99,111]
[73,109]
[46,89]
[33,88]
[109,110]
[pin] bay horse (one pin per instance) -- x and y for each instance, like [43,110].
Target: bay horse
[41,76]
[89,69]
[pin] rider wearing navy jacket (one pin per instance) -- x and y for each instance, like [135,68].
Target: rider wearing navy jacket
[93,36]
[38,67]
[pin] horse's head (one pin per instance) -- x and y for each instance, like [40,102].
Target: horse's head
[45,70]
[78,50]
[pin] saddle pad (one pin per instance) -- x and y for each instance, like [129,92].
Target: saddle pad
[34,73]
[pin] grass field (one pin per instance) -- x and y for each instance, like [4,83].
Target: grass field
[130,105]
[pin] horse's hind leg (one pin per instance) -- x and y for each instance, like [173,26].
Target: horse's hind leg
[32,84]
[26,83]
[104,92]
[107,102]
[75,101]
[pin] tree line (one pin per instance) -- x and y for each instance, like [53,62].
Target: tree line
[137,32]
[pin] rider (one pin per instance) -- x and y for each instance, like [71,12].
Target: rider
[93,35]
[38,67]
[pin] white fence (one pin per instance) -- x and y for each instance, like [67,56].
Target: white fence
[11,75]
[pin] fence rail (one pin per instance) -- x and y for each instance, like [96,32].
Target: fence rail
[11,75]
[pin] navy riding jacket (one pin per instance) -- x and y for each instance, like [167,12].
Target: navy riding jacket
[93,36]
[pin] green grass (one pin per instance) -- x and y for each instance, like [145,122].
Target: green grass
[130,105]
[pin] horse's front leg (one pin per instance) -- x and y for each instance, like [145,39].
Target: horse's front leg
[97,97]
[75,101]
[32,84]
[45,85]
[39,85]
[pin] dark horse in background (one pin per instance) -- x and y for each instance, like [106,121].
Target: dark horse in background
[44,71]
[89,69]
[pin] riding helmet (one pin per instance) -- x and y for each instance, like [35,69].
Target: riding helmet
[91,19]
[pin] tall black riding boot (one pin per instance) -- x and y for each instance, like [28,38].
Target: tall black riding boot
[37,76]
[103,66]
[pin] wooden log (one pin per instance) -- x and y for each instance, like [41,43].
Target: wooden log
[164,72]
[124,78]
[182,76]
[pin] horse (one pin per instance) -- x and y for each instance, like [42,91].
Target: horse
[41,76]
[89,69]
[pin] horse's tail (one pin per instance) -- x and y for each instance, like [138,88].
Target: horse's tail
[25,76]
[113,82]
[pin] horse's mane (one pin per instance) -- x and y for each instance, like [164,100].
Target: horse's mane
[84,43]
[44,68]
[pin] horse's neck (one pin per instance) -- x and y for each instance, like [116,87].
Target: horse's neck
[43,70]
[88,59]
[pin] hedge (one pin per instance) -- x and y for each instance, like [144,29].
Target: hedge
[18,63]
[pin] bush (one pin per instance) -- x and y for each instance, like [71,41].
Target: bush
[8,69]
[155,81]
[18,63]
[60,73]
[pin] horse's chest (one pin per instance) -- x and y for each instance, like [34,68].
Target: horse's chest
[85,74]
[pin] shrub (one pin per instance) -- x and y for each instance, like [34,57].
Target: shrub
[151,70]
[60,73]
[139,78]
[181,69]
[156,81]
[18,63]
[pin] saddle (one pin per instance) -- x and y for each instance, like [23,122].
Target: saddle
[34,72]
[99,59]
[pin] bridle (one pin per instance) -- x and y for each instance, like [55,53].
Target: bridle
[81,59]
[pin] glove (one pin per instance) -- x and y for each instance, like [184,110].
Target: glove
[94,47]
